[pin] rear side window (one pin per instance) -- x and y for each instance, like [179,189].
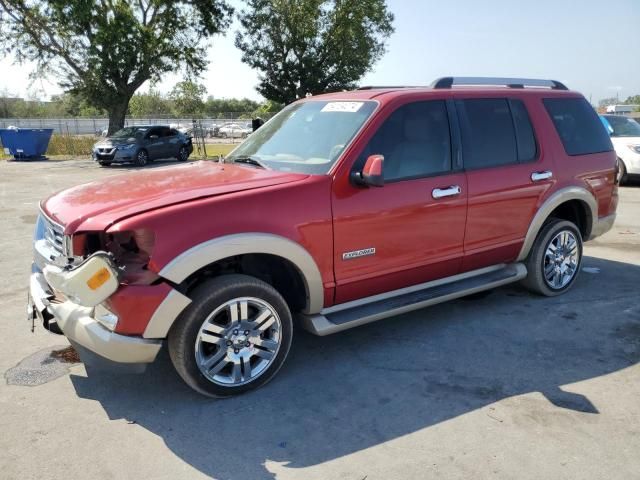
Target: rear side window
[578,126]
[526,141]
[488,133]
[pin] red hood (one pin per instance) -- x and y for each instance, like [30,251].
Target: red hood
[99,204]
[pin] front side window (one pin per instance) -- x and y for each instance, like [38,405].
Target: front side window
[578,126]
[306,137]
[414,140]
[488,133]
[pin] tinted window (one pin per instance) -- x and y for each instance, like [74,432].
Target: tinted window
[488,136]
[526,141]
[414,140]
[578,126]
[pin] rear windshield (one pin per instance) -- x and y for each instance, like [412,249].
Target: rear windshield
[578,126]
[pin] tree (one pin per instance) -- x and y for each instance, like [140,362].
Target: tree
[312,46]
[219,106]
[605,102]
[187,98]
[633,100]
[150,103]
[105,50]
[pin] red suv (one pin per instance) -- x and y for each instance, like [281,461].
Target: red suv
[343,209]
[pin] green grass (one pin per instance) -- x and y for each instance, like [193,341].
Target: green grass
[217,149]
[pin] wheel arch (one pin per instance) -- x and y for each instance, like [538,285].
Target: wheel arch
[251,244]
[569,203]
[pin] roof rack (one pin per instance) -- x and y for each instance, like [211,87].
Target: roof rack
[386,87]
[448,82]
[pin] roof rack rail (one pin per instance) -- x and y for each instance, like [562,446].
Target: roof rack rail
[448,82]
[384,87]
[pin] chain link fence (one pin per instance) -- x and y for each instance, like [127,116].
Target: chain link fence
[98,125]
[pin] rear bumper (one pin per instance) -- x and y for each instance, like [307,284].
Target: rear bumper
[78,324]
[602,226]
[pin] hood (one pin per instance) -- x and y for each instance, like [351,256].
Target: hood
[96,205]
[111,141]
[625,140]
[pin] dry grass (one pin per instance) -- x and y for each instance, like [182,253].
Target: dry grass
[74,147]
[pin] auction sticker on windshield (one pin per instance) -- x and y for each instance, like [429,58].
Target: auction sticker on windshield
[347,107]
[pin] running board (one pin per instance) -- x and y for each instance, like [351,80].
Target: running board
[358,312]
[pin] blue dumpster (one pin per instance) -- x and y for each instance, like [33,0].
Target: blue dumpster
[26,143]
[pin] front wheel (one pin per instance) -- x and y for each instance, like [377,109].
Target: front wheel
[555,258]
[142,158]
[622,173]
[233,337]
[104,164]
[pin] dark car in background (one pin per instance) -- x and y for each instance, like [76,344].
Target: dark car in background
[141,144]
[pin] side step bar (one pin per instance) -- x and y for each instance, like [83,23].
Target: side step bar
[356,313]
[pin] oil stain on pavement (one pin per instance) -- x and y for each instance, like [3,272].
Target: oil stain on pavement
[42,367]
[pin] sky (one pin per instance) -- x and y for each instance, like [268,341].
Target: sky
[593,46]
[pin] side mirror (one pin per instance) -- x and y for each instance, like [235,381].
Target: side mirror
[372,174]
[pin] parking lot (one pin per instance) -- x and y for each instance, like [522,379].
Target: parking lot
[500,385]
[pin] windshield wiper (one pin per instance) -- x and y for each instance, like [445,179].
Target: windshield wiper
[250,160]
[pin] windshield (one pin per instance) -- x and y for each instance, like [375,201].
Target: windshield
[622,126]
[306,137]
[129,132]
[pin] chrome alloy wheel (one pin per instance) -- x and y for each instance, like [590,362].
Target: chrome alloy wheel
[238,341]
[561,260]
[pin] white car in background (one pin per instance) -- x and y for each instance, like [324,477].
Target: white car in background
[235,130]
[625,136]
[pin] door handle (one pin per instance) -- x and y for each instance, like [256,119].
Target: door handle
[446,192]
[539,176]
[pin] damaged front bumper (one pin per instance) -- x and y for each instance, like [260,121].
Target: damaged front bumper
[85,328]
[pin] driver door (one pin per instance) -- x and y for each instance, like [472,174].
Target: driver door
[411,230]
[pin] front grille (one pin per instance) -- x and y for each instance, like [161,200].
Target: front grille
[54,235]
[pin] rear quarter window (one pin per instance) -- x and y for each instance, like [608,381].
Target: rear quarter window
[578,126]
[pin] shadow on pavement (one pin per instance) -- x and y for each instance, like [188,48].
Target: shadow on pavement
[340,394]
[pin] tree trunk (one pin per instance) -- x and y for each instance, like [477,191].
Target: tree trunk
[117,113]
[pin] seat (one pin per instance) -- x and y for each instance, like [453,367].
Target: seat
[420,152]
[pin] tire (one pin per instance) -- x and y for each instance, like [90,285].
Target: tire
[223,135]
[623,176]
[142,158]
[183,154]
[241,355]
[104,164]
[563,268]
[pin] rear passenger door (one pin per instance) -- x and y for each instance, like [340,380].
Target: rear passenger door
[507,174]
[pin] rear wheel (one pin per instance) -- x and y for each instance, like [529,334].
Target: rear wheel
[555,258]
[183,154]
[233,337]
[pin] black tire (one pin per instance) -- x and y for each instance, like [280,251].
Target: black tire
[183,154]
[206,299]
[142,158]
[623,177]
[536,261]
[104,164]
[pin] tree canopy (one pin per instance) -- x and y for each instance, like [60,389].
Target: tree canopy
[312,46]
[105,50]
